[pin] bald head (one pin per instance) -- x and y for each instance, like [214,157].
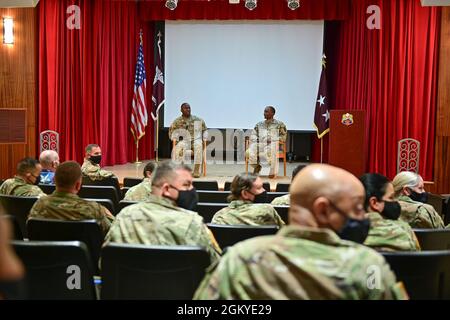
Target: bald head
[49,160]
[322,196]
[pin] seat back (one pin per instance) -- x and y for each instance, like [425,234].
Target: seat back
[426,275]
[433,239]
[206,185]
[107,203]
[229,235]
[124,191]
[100,192]
[19,208]
[283,212]
[56,270]
[207,209]
[213,196]
[16,232]
[47,188]
[152,272]
[131,182]
[86,231]
[110,181]
[273,195]
[282,187]
[124,204]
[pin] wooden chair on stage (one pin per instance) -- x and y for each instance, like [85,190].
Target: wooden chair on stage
[281,153]
[174,143]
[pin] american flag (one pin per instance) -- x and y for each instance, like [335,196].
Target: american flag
[322,112]
[139,109]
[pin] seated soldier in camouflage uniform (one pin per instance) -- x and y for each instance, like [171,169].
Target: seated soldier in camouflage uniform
[65,204]
[284,200]
[248,204]
[49,160]
[166,217]
[91,165]
[309,258]
[263,142]
[142,191]
[24,184]
[410,192]
[387,232]
[193,131]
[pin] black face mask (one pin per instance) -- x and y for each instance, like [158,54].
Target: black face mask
[261,197]
[353,230]
[392,210]
[187,199]
[420,197]
[96,159]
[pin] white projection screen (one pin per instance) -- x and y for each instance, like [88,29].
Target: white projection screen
[229,71]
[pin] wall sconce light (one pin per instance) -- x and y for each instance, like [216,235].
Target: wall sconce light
[8,33]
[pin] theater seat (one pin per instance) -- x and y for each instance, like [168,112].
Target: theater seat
[152,272]
[433,239]
[282,187]
[124,204]
[206,185]
[426,275]
[54,268]
[100,192]
[229,235]
[86,231]
[16,232]
[131,182]
[227,186]
[19,208]
[106,203]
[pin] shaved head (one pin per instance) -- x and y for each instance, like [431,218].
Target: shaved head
[320,193]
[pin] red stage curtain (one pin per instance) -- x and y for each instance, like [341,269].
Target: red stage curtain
[152,10]
[86,77]
[392,73]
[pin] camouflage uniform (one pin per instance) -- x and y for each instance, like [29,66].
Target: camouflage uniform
[419,215]
[18,187]
[70,207]
[390,235]
[94,172]
[300,263]
[159,222]
[197,133]
[140,192]
[246,212]
[282,201]
[263,141]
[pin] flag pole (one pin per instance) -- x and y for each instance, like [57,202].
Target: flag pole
[157,137]
[137,152]
[321,150]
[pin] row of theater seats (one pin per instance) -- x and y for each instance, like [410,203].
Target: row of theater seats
[162,272]
[142,272]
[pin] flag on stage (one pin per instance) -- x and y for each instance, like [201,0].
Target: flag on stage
[322,111]
[139,109]
[158,82]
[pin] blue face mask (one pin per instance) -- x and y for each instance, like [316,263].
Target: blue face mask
[353,230]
